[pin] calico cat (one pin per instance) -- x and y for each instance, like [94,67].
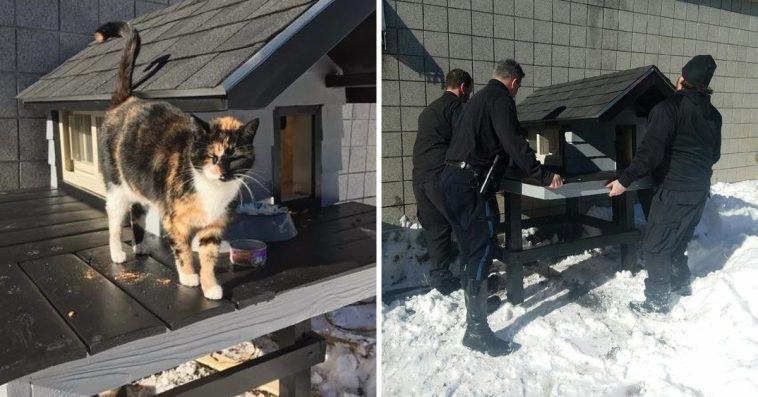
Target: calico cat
[152,153]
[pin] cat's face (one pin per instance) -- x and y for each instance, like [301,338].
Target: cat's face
[224,149]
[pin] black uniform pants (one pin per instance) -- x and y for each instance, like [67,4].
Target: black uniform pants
[473,217]
[671,224]
[430,203]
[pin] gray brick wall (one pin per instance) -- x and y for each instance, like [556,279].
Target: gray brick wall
[557,41]
[357,176]
[35,37]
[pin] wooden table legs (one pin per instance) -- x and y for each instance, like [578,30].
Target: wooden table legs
[621,231]
[623,216]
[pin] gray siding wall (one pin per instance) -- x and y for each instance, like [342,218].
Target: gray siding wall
[35,37]
[357,175]
[557,41]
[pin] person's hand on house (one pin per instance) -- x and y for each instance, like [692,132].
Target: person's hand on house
[616,188]
[557,182]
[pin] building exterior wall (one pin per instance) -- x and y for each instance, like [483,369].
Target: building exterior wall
[557,41]
[357,176]
[35,37]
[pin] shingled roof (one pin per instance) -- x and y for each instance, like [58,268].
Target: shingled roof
[232,53]
[599,97]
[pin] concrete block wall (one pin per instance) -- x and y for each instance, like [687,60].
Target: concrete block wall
[357,175]
[557,41]
[35,37]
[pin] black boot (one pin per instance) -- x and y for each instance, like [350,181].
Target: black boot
[656,301]
[682,288]
[493,283]
[657,286]
[493,303]
[681,276]
[443,281]
[479,336]
[646,307]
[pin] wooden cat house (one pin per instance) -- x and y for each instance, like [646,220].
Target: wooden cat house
[587,131]
[590,128]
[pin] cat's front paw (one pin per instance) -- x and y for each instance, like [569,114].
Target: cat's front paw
[118,256]
[189,279]
[214,293]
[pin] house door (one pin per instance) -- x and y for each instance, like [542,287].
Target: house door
[625,146]
[297,152]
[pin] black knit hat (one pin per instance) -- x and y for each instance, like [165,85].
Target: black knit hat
[699,70]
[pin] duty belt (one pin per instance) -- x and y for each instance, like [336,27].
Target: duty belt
[462,165]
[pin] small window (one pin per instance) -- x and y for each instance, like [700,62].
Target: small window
[547,145]
[78,136]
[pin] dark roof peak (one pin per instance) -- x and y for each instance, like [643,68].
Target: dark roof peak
[591,98]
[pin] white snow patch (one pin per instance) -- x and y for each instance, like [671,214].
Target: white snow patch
[577,335]
[348,370]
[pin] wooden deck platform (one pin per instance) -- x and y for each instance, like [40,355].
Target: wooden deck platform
[72,316]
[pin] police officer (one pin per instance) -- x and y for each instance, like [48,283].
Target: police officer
[682,142]
[488,128]
[435,127]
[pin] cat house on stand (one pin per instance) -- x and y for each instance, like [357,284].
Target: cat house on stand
[588,132]
[306,69]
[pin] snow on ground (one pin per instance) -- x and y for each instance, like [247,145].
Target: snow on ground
[349,368]
[577,335]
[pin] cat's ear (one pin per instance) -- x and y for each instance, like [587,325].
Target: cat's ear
[205,128]
[250,129]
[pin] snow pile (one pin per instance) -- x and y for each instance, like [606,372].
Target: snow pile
[404,260]
[577,334]
[348,370]
[350,365]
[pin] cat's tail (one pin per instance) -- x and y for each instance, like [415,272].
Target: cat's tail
[131,50]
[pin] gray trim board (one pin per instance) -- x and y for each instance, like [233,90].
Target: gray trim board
[188,104]
[574,189]
[143,357]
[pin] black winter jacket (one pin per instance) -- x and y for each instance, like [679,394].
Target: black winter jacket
[681,144]
[489,126]
[435,126]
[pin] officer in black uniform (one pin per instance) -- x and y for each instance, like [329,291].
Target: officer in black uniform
[435,127]
[681,145]
[488,128]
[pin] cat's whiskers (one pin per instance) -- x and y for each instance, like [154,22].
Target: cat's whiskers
[242,182]
[256,181]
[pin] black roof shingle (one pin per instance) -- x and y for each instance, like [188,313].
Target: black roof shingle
[196,45]
[590,98]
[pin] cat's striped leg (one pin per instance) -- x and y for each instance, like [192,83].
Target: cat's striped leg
[179,239]
[209,239]
[138,228]
[116,205]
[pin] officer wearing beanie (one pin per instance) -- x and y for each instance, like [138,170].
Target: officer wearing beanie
[681,145]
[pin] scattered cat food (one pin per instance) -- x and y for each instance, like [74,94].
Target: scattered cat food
[163,281]
[130,277]
[89,275]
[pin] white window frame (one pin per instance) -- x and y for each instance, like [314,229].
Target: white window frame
[546,143]
[82,175]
